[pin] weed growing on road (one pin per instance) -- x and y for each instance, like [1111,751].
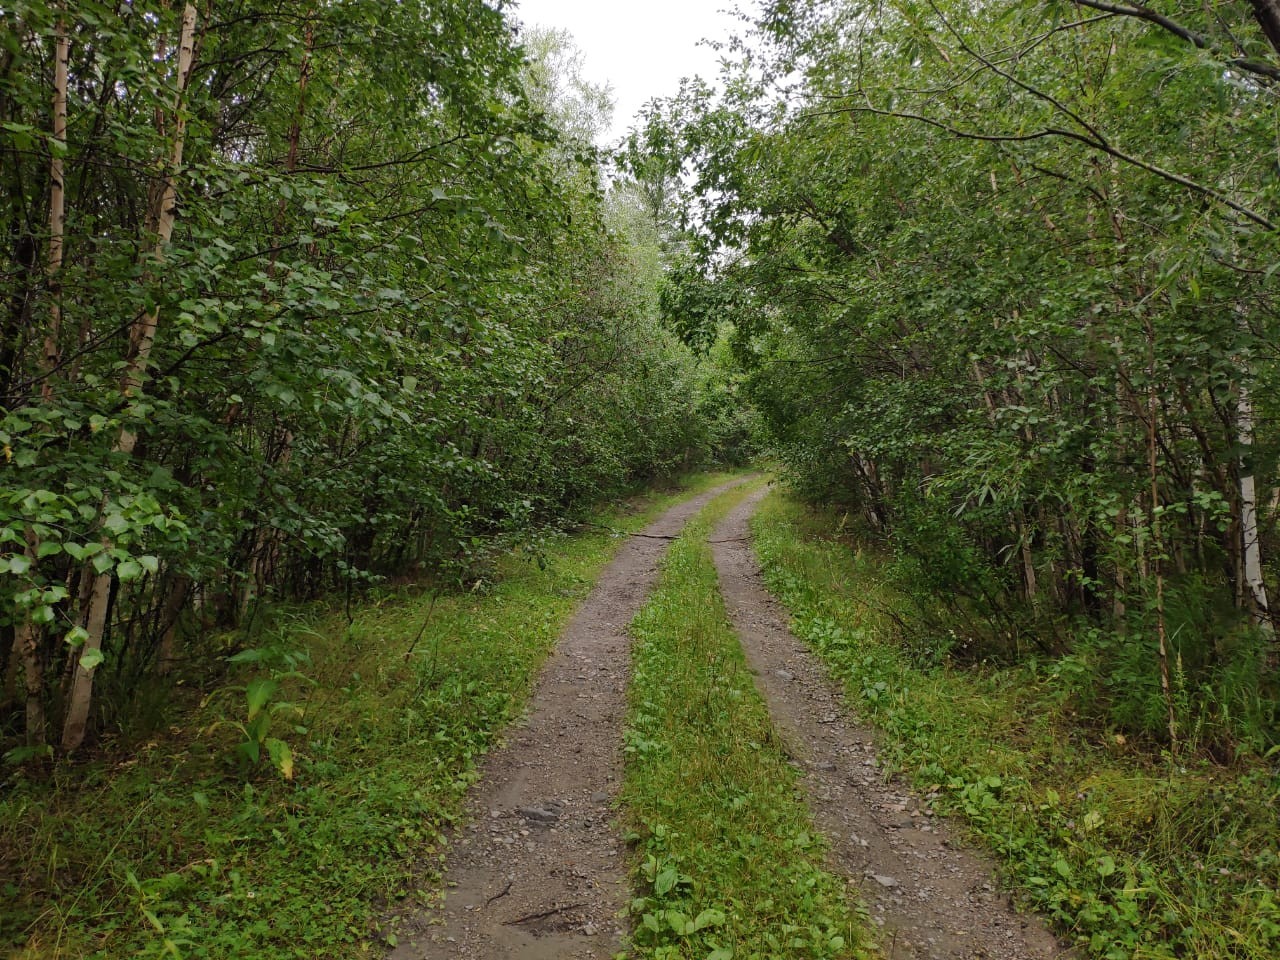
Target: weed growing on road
[727,861]
[1135,856]
[185,850]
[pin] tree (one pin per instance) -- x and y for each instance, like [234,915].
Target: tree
[1001,276]
[295,296]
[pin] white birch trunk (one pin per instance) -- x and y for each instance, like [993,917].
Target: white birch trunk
[141,340]
[1255,586]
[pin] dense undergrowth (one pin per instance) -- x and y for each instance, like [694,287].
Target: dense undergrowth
[1132,852]
[726,858]
[285,815]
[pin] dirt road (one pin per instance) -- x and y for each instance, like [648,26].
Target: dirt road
[932,898]
[539,871]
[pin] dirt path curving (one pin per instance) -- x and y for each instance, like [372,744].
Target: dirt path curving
[538,871]
[932,898]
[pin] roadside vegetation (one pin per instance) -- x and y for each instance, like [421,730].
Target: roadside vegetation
[1002,280]
[727,863]
[1132,851]
[295,298]
[194,843]
[1002,284]
[314,315]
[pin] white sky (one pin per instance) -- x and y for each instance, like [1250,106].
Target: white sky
[640,48]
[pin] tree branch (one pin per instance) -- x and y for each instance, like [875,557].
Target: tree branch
[1197,40]
[1267,13]
[1100,144]
[1091,137]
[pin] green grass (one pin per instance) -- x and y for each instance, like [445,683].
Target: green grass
[180,849]
[1131,854]
[727,863]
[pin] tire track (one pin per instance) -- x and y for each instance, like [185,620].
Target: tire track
[933,898]
[538,870]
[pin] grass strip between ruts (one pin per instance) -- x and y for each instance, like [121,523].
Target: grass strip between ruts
[1133,862]
[727,862]
[170,850]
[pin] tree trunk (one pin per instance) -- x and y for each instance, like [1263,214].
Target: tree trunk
[29,633]
[1018,525]
[1267,13]
[1157,548]
[141,339]
[179,588]
[28,643]
[57,210]
[1251,551]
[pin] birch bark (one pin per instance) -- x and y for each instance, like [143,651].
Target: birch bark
[141,340]
[1255,586]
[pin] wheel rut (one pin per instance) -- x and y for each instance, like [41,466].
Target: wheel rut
[538,871]
[932,898]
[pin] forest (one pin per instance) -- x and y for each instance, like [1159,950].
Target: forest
[1002,281]
[296,296]
[338,357]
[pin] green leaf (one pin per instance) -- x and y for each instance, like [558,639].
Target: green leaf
[665,881]
[257,693]
[129,570]
[708,918]
[91,658]
[281,756]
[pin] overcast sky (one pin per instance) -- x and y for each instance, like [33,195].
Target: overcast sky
[641,49]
